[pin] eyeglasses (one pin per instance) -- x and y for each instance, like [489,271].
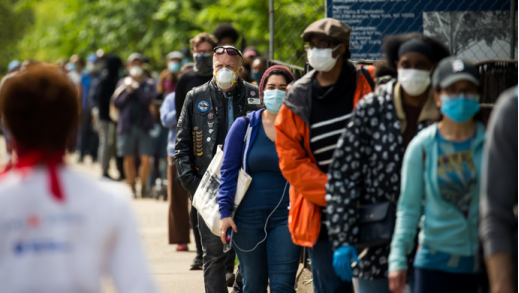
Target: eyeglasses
[231,51]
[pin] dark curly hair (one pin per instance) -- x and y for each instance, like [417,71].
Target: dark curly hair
[40,107]
[391,45]
[226,30]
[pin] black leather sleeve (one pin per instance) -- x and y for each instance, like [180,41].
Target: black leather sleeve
[184,159]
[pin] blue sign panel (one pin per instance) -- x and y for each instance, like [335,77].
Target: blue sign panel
[371,20]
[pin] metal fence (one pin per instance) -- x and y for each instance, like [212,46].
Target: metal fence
[477,30]
[288,19]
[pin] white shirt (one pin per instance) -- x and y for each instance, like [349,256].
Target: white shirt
[52,246]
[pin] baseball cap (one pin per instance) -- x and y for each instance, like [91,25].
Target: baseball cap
[134,56]
[13,64]
[330,28]
[175,54]
[452,69]
[92,58]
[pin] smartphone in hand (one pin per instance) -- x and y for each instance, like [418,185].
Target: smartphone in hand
[228,237]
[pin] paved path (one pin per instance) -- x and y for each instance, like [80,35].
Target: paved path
[169,267]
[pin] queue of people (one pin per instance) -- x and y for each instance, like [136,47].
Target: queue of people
[386,176]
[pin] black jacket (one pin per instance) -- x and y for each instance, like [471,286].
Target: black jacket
[366,170]
[203,125]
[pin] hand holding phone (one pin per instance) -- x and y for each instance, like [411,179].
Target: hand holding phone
[228,238]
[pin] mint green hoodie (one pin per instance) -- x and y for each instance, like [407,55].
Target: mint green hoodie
[443,226]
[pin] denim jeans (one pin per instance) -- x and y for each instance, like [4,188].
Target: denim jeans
[214,260]
[275,260]
[325,279]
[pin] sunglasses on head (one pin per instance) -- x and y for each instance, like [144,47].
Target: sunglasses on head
[231,51]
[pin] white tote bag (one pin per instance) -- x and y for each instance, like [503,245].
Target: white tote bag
[205,200]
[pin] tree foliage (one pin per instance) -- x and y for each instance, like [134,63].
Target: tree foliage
[461,30]
[48,30]
[13,24]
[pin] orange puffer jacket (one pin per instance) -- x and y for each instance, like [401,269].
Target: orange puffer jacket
[297,163]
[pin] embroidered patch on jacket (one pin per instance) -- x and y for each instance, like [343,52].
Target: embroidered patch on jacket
[203,106]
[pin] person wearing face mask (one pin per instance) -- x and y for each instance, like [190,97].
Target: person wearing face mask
[88,138]
[102,90]
[208,113]
[308,125]
[441,177]
[135,122]
[202,46]
[366,166]
[261,239]
[258,69]
[165,85]
[169,76]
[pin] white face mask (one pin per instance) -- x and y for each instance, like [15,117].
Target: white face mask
[414,81]
[136,71]
[321,59]
[225,78]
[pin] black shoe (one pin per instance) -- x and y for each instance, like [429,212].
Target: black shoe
[197,264]
[229,279]
[134,191]
[106,176]
[146,192]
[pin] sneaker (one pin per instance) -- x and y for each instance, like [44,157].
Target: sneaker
[198,264]
[182,247]
[229,279]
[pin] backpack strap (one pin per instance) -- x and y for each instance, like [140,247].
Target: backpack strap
[246,139]
[363,87]
[246,120]
[366,74]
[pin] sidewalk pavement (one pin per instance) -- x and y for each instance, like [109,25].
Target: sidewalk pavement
[169,267]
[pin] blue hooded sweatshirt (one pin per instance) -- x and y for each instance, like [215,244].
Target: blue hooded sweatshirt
[444,227]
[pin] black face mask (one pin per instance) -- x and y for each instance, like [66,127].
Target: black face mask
[203,64]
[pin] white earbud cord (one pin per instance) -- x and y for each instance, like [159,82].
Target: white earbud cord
[266,222]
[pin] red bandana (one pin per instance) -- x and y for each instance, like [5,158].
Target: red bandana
[52,160]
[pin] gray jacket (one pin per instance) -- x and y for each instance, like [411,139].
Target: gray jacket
[498,220]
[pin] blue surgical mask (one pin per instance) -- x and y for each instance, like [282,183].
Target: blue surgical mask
[460,108]
[256,76]
[174,67]
[273,99]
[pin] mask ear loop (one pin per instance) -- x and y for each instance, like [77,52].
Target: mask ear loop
[266,222]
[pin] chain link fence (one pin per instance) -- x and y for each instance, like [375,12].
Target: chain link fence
[288,20]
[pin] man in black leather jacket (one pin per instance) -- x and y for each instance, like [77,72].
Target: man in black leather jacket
[206,117]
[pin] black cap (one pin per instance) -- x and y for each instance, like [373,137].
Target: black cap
[452,69]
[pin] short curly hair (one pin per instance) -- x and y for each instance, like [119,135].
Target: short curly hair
[202,37]
[226,30]
[392,43]
[40,107]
